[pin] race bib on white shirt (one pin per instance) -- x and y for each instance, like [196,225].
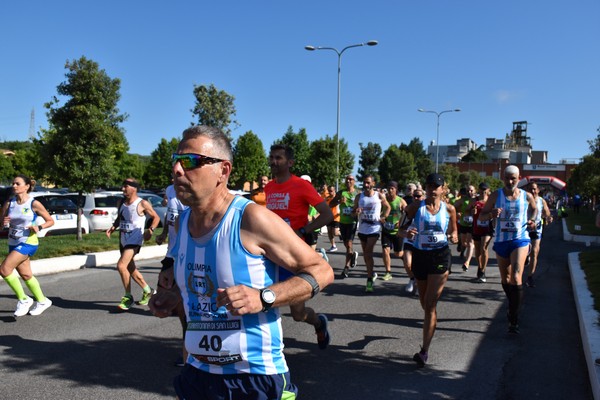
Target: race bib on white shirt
[468,219]
[16,233]
[172,214]
[389,226]
[347,211]
[126,227]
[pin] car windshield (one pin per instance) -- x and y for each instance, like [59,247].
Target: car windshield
[56,202]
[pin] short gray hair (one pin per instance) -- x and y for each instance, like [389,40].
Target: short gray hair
[221,141]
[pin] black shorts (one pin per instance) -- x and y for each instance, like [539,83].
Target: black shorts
[333,225]
[391,240]
[477,238]
[193,383]
[167,263]
[365,236]
[464,229]
[136,248]
[347,232]
[311,238]
[431,262]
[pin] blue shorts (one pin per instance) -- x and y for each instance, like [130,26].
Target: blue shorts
[24,248]
[195,384]
[503,249]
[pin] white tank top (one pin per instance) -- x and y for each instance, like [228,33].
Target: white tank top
[132,224]
[370,215]
[21,216]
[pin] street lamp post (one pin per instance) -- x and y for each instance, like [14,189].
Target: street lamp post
[339,75]
[437,137]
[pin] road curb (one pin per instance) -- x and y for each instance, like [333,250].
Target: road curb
[56,265]
[588,322]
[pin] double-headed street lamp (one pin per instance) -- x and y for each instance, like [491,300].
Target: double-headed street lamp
[437,138]
[339,74]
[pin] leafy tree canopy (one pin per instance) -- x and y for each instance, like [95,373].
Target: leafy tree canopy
[298,141]
[214,108]
[249,161]
[84,141]
[370,156]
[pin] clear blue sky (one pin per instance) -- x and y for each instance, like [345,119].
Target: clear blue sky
[499,62]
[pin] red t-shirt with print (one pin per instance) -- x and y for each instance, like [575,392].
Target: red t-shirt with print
[290,200]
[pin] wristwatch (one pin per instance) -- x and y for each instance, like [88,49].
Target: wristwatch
[302,231]
[267,298]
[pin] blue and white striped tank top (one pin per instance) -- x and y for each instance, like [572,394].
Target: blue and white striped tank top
[217,341]
[512,222]
[431,228]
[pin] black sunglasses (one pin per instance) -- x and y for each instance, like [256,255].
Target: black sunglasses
[192,161]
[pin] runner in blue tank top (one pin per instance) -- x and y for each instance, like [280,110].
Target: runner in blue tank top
[428,223]
[514,210]
[227,254]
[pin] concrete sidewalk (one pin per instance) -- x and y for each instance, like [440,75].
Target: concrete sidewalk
[62,264]
[588,316]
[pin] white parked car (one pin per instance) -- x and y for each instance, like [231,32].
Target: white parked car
[64,213]
[100,209]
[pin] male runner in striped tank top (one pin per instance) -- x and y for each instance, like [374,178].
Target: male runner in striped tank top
[514,210]
[227,254]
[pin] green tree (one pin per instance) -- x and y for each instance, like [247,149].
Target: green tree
[323,169]
[423,164]
[214,108]
[84,137]
[298,141]
[7,172]
[158,171]
[585,178]
[451,175]
[370,157]
[397,165]
[249,161]
[475,155]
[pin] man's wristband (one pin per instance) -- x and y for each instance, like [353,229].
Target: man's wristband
[312,282]
[40,228]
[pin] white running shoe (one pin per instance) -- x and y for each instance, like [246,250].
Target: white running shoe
[410,286]
[375,276]
[40,307]
[332,249]
[23,307]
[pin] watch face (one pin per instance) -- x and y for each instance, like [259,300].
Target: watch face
[268,296]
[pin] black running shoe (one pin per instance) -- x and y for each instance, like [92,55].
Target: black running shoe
[420,358]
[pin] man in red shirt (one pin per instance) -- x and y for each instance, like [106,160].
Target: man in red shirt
[289,197]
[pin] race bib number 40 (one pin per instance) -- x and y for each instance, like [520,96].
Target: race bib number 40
[214,342]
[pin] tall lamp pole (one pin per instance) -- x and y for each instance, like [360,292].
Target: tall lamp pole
[437,137]
[339,75]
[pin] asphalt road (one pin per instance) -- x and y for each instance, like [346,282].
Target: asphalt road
[83,348]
